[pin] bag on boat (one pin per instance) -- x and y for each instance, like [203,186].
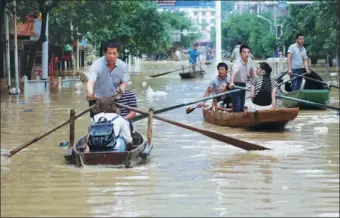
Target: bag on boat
[102,135]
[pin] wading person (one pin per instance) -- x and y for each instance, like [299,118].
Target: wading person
[108,75]
[242,68]
[263,89]
[297,60]
[218,85]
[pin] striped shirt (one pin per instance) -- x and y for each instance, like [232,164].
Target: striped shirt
[268,86]
[129,99]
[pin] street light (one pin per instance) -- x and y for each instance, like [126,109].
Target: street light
[269,21]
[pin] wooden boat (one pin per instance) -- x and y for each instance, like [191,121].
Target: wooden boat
[135,154]
[208,62]
[189,75]
[309,91]
[273,119]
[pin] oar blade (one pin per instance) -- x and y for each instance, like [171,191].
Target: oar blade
[189,110]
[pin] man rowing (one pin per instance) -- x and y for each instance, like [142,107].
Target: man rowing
[194,57]
[107,76]
[219,84]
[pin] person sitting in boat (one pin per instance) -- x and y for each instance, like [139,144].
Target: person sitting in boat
[263,89]
[128,98]
[108,130]
[218,85]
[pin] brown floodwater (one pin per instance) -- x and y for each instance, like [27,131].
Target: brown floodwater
[188,174]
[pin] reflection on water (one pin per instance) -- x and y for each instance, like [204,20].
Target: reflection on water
[188,174]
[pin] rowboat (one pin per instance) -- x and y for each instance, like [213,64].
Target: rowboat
[309,91]
[136,154]
[208,62]
[189,75]
[273,119]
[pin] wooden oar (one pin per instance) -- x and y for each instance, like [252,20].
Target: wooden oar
[308,102]
[229,140]
[139,117]
[318,81]
[161,74]
[37,138]
[284,82]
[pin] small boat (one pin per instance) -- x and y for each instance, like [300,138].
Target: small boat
[208,62]
[273,119]
[135,154]
[309,91]
[189,75]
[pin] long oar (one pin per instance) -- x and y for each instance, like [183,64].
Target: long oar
[318,81]
[37,138]
[161,74]
[229,140]
[284,82]
[139,117]
[308,102]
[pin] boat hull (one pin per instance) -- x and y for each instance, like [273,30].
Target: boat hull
[190,75]
[274,119]
[134,155]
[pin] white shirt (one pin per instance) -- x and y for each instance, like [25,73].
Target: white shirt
[120,125]
[242,70]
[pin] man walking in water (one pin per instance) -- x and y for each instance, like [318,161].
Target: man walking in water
[107,76]
[297,59]
[242,68]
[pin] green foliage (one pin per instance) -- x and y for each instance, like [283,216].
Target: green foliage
[318,22]
[250,30]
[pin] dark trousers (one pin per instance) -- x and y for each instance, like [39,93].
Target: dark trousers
[238,98]
[92,102]
[296,84]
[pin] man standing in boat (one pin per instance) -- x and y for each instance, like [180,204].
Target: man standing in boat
[297,59]
[219,84]
[194,57]
[108,75]
[242,68]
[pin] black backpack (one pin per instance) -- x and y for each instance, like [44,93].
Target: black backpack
[101,135]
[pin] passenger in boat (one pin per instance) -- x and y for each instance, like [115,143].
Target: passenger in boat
[108,130]
[128,98]
[194,57]
[263,89]
[218,85]
[297,61]
[108,75]
[242,68]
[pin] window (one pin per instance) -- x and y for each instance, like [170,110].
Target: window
[195,13]
[212,20]
[212,13]
[203,13]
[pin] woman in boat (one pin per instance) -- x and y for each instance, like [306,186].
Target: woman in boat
[263,89]
[117,133]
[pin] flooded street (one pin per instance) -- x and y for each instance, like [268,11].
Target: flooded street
[188,174]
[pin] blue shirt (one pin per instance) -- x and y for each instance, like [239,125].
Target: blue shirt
[193,56]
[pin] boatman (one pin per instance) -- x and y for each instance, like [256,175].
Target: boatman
[242,68]
[297,59]
[219,84]
[194,57]
[108,75]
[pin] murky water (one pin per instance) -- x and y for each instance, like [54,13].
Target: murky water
[187,175]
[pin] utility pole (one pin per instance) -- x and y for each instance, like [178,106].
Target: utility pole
[8,62]
[44,64]
[218,31]
[16,66]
